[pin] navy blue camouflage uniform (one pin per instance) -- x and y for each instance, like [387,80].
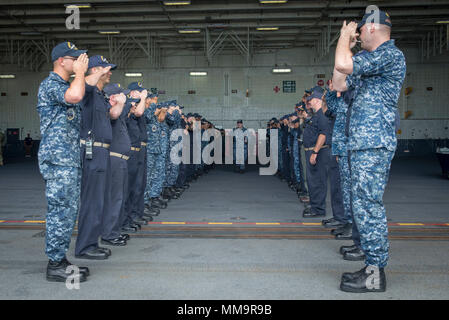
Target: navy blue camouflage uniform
[155,157]
[59,163]
[171,169]
[372,142]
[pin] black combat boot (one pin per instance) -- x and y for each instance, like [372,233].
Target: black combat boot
[56,271]
[157,203]
[368,279]
[150,211]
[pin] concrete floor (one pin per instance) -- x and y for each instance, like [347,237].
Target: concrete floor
[189,268]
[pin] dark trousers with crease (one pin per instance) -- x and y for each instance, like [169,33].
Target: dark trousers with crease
[338,210]
[112,222]
[317,176]
[95,199]
[131,197]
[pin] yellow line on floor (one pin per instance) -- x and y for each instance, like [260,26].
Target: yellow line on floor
[173,223]
[34,221]
[268,223]
[2,221]
[220,223]
[312,223]
[410,224]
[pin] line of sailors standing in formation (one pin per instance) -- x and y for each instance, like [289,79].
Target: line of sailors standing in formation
[311,140]
[105,157]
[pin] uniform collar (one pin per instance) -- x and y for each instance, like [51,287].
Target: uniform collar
[386,45]
[57,77]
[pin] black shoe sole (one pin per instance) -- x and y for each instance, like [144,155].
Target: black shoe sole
[112,244]
[343,251]
[362,290]
[317,216]
[61,279]
[91,258]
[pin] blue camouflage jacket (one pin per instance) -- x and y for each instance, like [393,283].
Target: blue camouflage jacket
[338,107]
[165,131]
[153,130]
[382,73]
[60,124]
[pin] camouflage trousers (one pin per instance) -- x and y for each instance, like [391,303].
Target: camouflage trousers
[171,171]
[296,164]
[345,180]
[155,175]
[369,176]
[62,190]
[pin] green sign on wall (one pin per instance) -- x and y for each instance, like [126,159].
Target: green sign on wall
[289,86]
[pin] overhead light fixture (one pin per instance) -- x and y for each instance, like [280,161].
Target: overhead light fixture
[198,73]
[177,3]
[272,1]
[189,31]
[282,70]
[133,74]
[79,6]
[267,28]
[109,32]
[7,76]
[443,21]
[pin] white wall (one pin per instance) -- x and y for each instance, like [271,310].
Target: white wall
[430,109]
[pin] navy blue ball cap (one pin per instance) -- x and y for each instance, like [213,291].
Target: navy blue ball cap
[100,61]
[239,121]
[316,92]
[375,16]
[66,49]
[129,99]
[152,95]
[115,88]
[136,86]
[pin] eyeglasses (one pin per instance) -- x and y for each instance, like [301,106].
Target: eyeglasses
[70,58]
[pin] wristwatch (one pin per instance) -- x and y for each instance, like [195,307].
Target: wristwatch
[314,152]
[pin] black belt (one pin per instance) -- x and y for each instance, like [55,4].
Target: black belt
[311,148]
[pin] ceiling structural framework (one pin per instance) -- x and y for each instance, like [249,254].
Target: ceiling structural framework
[153,29]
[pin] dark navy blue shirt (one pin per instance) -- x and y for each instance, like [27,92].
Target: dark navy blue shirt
[95,115]
[143,129]
[121,142]
[132,123]
[318,124]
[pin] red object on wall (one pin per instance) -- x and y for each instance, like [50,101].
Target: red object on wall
[320,82]
[276,89]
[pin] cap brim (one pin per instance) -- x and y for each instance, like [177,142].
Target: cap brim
[127,91]
[76,53]
[113,66]
[132,100]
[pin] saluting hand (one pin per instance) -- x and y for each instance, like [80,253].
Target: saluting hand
[81,64]
[349,29]
[121,98]
[143,94]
